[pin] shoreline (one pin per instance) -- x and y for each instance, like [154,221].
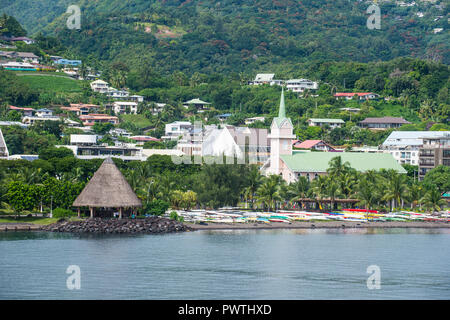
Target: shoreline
[12,227]
[18,226]
[319,225]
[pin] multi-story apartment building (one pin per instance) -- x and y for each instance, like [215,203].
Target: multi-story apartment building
[300,85]
[435,151]
[404,145]
[177,129]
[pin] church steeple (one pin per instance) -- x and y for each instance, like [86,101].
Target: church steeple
[282,109]
[280,138]
[281,112]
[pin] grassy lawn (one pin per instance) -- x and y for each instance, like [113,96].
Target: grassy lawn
[138,120]
[50,82]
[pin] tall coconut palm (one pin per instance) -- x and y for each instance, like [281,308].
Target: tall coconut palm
[332,191]
[253,182]
[151,189]
[166,187]
[336,167]
[269,191]
[416,192]
[31,175]
[177,199]
[299,189]
[347,183]
[319,187]
[397,189]
[133,179]
[433,200]
[247,195]
[366,193]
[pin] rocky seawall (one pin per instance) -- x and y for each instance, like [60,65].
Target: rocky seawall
[115,226]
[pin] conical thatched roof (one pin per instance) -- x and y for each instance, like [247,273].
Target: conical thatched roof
[107,189]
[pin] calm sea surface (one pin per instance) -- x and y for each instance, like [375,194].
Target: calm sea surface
[250,264]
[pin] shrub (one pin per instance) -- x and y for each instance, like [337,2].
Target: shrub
[174,216]
[63,213]
[156,207]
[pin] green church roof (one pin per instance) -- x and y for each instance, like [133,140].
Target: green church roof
[319,161]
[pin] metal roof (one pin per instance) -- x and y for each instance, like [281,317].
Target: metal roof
[196,101]
[319,161]
[326,120]
[385,120]
[411,138]
[264,76]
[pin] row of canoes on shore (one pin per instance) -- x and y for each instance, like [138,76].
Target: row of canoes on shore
[356,215]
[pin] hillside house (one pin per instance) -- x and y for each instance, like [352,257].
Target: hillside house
[383,123]
[200,105]
[318,145]
[332,123]
[100,86]
[300,85]
[127,107]
[359,95]
[93,118]
[28,112]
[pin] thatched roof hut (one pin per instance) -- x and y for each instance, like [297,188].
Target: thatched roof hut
[107,189]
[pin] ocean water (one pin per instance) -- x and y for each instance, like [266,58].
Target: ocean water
[238,264]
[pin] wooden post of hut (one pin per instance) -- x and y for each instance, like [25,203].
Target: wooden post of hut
[79,213]
[107,189]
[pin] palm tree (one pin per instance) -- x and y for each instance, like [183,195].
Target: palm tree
[247,194]
[366,194]
[269,191]
[167,185]
[133,179]
[151,189]
[426,110]
[31,175]
[143,171]
[347,182]
[336,167]
[253,182]
[319,186]
[433,199]
[396,188]
[177,199]
[14,176]
[415,194]
[332,191]
[299,189]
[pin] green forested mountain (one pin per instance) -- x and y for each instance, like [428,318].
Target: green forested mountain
[172,51]
[238,35]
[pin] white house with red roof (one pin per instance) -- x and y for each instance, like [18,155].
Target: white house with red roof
[319,145]
[360,95]
[27,112]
